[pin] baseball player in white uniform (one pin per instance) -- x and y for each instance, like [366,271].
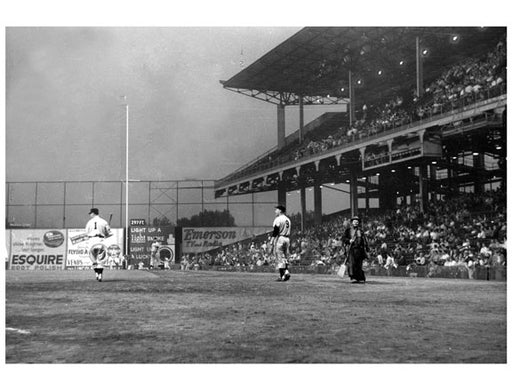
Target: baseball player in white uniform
[155,246]
[280,242]
[97,229]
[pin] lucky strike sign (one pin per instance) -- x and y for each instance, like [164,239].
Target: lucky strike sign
[196,240]
[37,249]
[79,246]
[141,238]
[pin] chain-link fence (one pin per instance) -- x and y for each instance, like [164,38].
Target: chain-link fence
[65,204]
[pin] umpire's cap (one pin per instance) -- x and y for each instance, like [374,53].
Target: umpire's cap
[281,207]
[94,211]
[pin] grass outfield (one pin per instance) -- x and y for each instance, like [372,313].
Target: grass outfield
[229,317]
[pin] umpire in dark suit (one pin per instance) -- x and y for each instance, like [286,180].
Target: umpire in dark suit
[357,249]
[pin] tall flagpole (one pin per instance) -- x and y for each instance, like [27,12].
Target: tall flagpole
[126,225]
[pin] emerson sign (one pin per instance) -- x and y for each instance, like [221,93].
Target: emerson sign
[196,240]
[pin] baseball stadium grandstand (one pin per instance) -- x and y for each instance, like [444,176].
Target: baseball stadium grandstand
[424,119]
[423,137]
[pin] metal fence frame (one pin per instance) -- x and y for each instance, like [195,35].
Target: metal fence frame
[157,199]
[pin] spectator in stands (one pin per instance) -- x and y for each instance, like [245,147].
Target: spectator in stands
[420,259]
[295,257]
[470,266]
[398,254]
[498,258]
[390,263]
[184,263]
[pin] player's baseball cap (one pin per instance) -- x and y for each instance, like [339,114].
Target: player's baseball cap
[281,207]
[94,211]
[355,217]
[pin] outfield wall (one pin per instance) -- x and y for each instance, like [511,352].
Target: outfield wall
[55,249]
[58,249]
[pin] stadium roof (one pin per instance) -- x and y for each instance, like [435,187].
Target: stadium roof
[315,62]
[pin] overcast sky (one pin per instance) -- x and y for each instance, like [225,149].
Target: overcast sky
[64,114]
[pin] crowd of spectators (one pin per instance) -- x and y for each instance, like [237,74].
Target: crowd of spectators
[464,82]
[252,254]
[451,233]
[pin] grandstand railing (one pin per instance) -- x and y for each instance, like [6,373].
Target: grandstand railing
[390,157]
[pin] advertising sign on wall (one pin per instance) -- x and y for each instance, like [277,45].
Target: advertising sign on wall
[79,246]
[196,240]
[141,238]
[38,249]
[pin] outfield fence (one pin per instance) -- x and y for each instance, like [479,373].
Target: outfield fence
[65,204]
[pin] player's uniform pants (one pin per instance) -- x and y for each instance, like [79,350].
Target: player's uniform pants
[282,251]
[97,254]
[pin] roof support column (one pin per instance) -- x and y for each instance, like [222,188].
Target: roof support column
[367,194]
[302,208]
[390,148]
[387,191]
[479,165]
[354,201]
[423,187]
[281,193]
[280,126]
[317,190]
[432,169]
[421,135]
[301,118]
[352,98]
[419,69]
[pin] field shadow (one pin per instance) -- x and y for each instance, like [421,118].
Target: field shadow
[113,280]
[349,282]
[373,282]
